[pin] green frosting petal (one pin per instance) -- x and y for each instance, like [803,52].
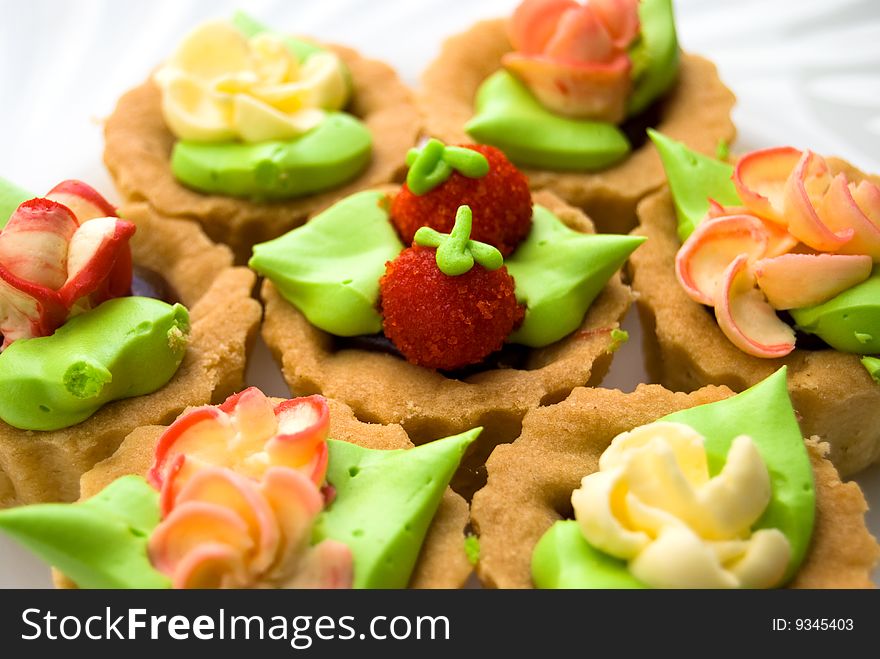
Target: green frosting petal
[849,322]
[872,365]
[385,502]
[510,117]
[330,267]
[127,347]
[563,559]
[100,543]
[764,413]
[558,273]
[655,54]
[693,180]
[11,197]
[335,151]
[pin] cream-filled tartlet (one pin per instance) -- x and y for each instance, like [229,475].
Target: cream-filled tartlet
[249,131]
[655,489]
[108,324]
[767,262]
[567,89]
[260,493]
[457,300]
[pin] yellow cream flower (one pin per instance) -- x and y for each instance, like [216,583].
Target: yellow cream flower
[652,503]
[220,85]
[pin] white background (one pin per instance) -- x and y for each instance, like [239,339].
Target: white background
[806,72]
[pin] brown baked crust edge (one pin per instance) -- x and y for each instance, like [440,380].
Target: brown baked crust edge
[46,466]
[384,389]
[442,562]
[138,147]
[685,349]
[531,481]
[696,111]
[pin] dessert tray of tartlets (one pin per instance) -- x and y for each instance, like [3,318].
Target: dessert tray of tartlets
[519,294]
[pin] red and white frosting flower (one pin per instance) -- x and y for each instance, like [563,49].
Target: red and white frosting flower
[574,56]
[801,237]
[240,493]
[59,256]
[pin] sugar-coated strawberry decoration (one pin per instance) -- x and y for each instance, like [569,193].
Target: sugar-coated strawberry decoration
[441,178]
[59,256]
[240,494]
[448,301]
[249,434]
[573,56]
[741,260]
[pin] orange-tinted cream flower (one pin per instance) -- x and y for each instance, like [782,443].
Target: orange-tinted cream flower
[225,530]
[249,434]
[573,56]
[240,494]
[740,260]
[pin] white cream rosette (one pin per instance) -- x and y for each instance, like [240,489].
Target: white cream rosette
[652,503]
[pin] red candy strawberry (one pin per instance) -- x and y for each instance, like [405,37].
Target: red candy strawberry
[442,178]
[448,301]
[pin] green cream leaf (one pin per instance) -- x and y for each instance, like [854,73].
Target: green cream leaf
[385,502]
[330,268]
[693,180]
[655,55]
[510,117]
[848,322]
[335,151]
[99,543]
[563,559]
[559,272]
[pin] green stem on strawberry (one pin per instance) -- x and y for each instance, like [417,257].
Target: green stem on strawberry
[456,252]
[434,163]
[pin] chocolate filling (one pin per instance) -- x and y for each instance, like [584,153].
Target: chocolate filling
[636,127]
[510,356]
[149,283]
